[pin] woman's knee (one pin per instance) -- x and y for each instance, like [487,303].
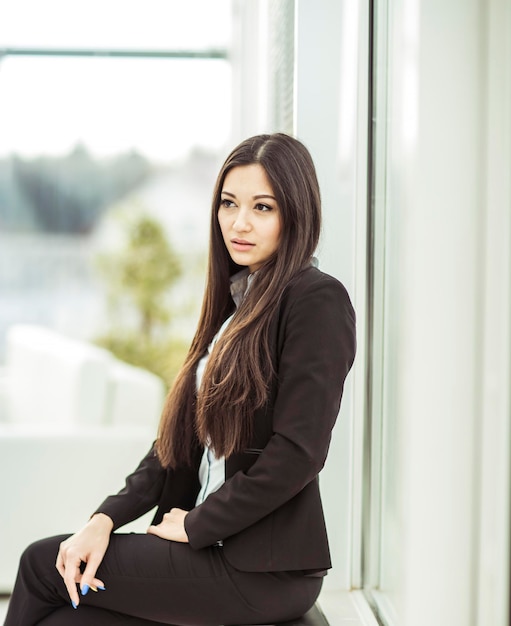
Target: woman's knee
[41,554]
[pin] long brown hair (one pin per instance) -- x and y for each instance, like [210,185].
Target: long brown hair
[235,381]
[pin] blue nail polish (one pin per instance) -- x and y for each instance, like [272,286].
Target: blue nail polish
[85,590]
[73,604]
[101,588]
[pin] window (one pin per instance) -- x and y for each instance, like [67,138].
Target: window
[110,109]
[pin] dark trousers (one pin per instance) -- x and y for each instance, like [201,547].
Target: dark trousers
[152,581]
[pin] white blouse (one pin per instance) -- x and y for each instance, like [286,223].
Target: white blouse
[212,468]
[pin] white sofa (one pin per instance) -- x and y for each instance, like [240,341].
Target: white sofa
[74,421]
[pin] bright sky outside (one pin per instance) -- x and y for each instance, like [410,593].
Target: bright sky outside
[159,107]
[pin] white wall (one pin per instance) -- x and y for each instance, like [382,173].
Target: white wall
[433,168]
[447,237]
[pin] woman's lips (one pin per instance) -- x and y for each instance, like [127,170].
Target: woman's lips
[241,245]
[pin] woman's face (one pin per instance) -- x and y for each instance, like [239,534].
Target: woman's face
[249,216]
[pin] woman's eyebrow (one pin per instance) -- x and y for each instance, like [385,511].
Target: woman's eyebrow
[265,195]
[257,197]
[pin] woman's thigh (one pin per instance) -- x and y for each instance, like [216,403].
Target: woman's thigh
[151,579]
[164,581]
[91,616]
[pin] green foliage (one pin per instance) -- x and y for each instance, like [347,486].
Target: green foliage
[139,278]
[143,271]
[164,358]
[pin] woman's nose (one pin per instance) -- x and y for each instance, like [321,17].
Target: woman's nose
[242,222]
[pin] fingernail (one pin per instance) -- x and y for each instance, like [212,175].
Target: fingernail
[101,588]
[94,588]
[73,604]
[85,590]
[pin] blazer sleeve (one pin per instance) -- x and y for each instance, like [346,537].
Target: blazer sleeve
[317,330]
[140,494]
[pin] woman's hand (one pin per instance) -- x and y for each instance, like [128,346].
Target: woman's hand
[172,526]
[88,545]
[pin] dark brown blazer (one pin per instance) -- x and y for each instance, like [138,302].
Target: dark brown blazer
[268,514]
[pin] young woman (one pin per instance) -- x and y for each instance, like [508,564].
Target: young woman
[239,535]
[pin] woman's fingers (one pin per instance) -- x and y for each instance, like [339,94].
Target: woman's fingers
[59,564]
[69,569]
[87,546]
[98,585]
[71,573]
[88,579]
[171,527]
[65,569]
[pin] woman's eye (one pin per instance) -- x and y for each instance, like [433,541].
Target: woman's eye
[226,203]
[263,207]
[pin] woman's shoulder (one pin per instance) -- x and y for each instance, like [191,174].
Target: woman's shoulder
[313,279]
[313,290]
[316,300]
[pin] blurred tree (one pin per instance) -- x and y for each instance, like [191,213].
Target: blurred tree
[141,275]
[144,271]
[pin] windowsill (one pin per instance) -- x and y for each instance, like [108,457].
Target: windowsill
[346,608]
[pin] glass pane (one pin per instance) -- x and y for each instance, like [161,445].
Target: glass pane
[161,24]
[88,146]
[48,105]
